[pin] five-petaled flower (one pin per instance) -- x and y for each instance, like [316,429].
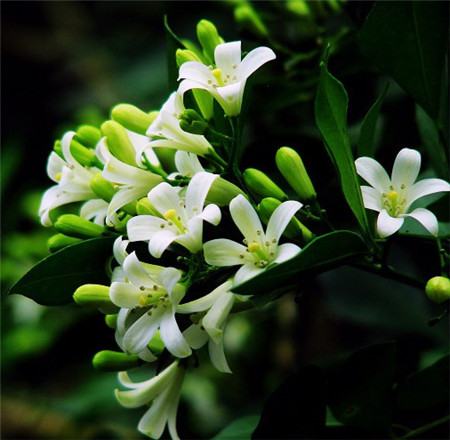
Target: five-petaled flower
[392,197]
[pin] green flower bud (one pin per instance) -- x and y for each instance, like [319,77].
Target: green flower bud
[102,187]
[295,228]
[57,148]
[156,345]
[85,156]
[144,207]
[205,103]
[166,157]
[291,167]
[438,289]
[88,135]
[262,185]
[94,295]
[76,226]
[184,55]
[59,241]
[222,192]
[192,122]
[247,16]
[118,142]
[108,360]
[111,320]
[209,38]
[132,118]
[299,7]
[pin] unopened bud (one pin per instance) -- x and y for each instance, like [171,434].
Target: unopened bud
[295,228]
[209,38]
[222,192]
[247,16]
[144,207]
[438,289]
[118,142]
[205,102]
[94,295]
[85,156]
[262,185]
[156,345]
[192,122]
[59,241]
[108,360]
[132,118]
[299,7]
[76,226]
[102,187]
[291,167]
[111,320]
[88,135]
[166,157]
[57,148]
[185,55]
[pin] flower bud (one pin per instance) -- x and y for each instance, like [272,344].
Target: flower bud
[132,118]
[205,103]
[57,148]
[299,7]
[245,14]
[438,289]
[118,142]
[222,192]
[291,167]
[262,185]
[88,135]
[144,207]
[85,156]
[184,55]
[295,228]
[111,320]
[108,360]
[59,241]
[94,295]
[209,38]
[76,226]
[192,122]
[102,187]
[156,344]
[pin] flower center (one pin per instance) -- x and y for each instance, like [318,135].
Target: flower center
[172,217]
[260,254]
[394,203]
[217,73]
[150,296]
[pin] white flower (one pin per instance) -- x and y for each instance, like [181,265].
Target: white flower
[133,182]
[162,392]
[226,81]
[187,165]
[261,248]
[183,214]
[393,197]
[148,296]
[73,181]
[165,131]
[211,327]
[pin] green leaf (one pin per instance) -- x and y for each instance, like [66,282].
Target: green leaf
[408,40]
[331,118]
[54,279]
[367,135]
[240,429]
[360,389]
[322,253]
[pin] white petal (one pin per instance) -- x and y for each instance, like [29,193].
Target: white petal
[224,252]
[120,172]
[426,218]
[285,252]
[195,336]
[192,240]
[124,196]
[65,146]
[426,187]
[197,191]
[280,218]
[254,60]
[246,272]
[120,249]
[231,97]
[160,242]
[136,272]
[373,173]
[154,420]
[124,295]
[164,197]
[228,56]
[214,320]
[146,355]
[169,277]
[246,219]
[212,214]
[387,225]
[197,72]
[188,84]
[217,356]
[94,209]
[55,166]
[143,227]
[172,336]
[371,198]
[187,164]
[406,168]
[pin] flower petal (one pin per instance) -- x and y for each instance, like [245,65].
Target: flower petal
[154,420]
[427,219]
[246,272]
[217,356]
[197,191]
[286,251]
[212,214]
[426,187]
[371,198]
[214,320]
[94,209]
[164,197]
[123,196]
[124,294]
[280,218]
[254,60]
[160,242]
[195,71]
[195,336]
[136,272]
[172,336]
[406,168]
[231,97]
[187,164]
[120,249]
[143,227]
[387,225]
[120,172]
[227,57]
[55,166]
[223,252]
[246,219]
[372,172]
[169,277]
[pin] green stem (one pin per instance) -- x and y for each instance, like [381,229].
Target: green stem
[441,256]
[425,428]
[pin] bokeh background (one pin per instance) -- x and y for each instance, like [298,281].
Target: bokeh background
[68,63]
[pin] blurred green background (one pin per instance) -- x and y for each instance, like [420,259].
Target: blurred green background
[67,63]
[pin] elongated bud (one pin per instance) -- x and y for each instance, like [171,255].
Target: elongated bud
[57,148]
[111,320]
[59,241]
[88,135]
[209,38]
[102,187]
[76,226]
[438,289]
[118,142]
[205,103]
[291,167]
[192,122]
[295,229]
[84,155]
[156,345]
[244,14]
[262,185]
[299,7]
[222,192]
[166,157]
[184,55]
[108,360]
[144,207]
[94,295]
[132,118]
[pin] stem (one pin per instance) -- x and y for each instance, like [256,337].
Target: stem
[440,250]
[425,428]
[392,274]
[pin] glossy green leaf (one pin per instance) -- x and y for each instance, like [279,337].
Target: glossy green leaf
[54,279]
[367,135]
[240,429]
[322,253]
[408,40]
[331,118]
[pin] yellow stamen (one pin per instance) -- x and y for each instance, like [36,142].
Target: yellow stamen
[254,247]
[172,216]
[58,177]
[217,73]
